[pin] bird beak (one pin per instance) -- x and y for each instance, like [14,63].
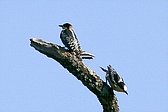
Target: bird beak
[60,25]
[126,92]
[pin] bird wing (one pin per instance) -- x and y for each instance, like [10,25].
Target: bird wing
[70,41]
[77,43]
[113,75]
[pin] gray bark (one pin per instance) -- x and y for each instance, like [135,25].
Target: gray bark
[83,73]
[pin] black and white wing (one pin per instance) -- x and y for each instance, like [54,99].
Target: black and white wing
[70,40]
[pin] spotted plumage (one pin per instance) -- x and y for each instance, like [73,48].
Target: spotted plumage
[71,42]
[116,82]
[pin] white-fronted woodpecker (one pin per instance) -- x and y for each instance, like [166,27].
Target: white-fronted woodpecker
[71,42]
[116,82]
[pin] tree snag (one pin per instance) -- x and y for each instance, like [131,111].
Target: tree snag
[83,73]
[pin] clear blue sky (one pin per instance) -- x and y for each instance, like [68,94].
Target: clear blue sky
[131,35]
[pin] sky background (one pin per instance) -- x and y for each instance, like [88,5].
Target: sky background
[131,35]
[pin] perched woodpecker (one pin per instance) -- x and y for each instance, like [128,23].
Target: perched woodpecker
[116,82]
[70,40]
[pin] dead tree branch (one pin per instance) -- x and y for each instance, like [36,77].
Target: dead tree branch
[75,66]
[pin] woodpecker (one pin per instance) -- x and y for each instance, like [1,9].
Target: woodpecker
[71,42]
[116,82]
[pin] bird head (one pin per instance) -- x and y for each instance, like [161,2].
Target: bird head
[66,26]
[125,89]
[121,87]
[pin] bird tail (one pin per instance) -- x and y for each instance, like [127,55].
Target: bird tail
[86,55]
[104,69]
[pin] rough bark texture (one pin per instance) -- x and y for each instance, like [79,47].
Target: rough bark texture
[75,66]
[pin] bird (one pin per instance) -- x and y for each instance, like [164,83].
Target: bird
[71,42]
[115,80]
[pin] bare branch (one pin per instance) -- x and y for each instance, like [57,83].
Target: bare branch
[83,73]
